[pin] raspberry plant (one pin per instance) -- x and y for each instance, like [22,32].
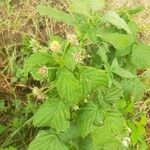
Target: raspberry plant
[94,81]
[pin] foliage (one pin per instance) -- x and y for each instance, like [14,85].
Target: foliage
[92,78]
[88,94]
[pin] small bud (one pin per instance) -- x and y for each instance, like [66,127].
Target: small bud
[76,108]
[72,38]
[35,91]
[43,71]
[55,46]
[38,93]
[126,141]
[80,56]
[85,100]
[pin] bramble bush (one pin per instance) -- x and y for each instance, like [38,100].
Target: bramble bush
[95,76]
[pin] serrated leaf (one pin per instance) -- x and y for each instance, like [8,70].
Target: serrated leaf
[113,18]
[70,61]
[68,87]
[37,59]
[110,132]
[53,113]
[72,133]
[123,73]
[141,56]
[85,144]
[88,117]
[135,88]
[102,135]
[119,41]
[113,94]
[92,78]
[45,140]
[56,14]
[116,145]
[116,122]
[115,68]
[123,52]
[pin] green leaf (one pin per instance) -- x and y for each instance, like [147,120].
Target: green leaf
[110,132]
[116,122]
[87,118]
[115,68]
[80,7]
[102,52]
[85,6]
[123,52]
[56,14]
[119,41]
[85,144]
[37,59]
[53,113]
[113,18]
[70,61]
[96,4]
[92,78]
[141,56]
[134,27]
[45,140]
[35,73]
[68,87]
[113,94]
[102,135]
[135,88]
